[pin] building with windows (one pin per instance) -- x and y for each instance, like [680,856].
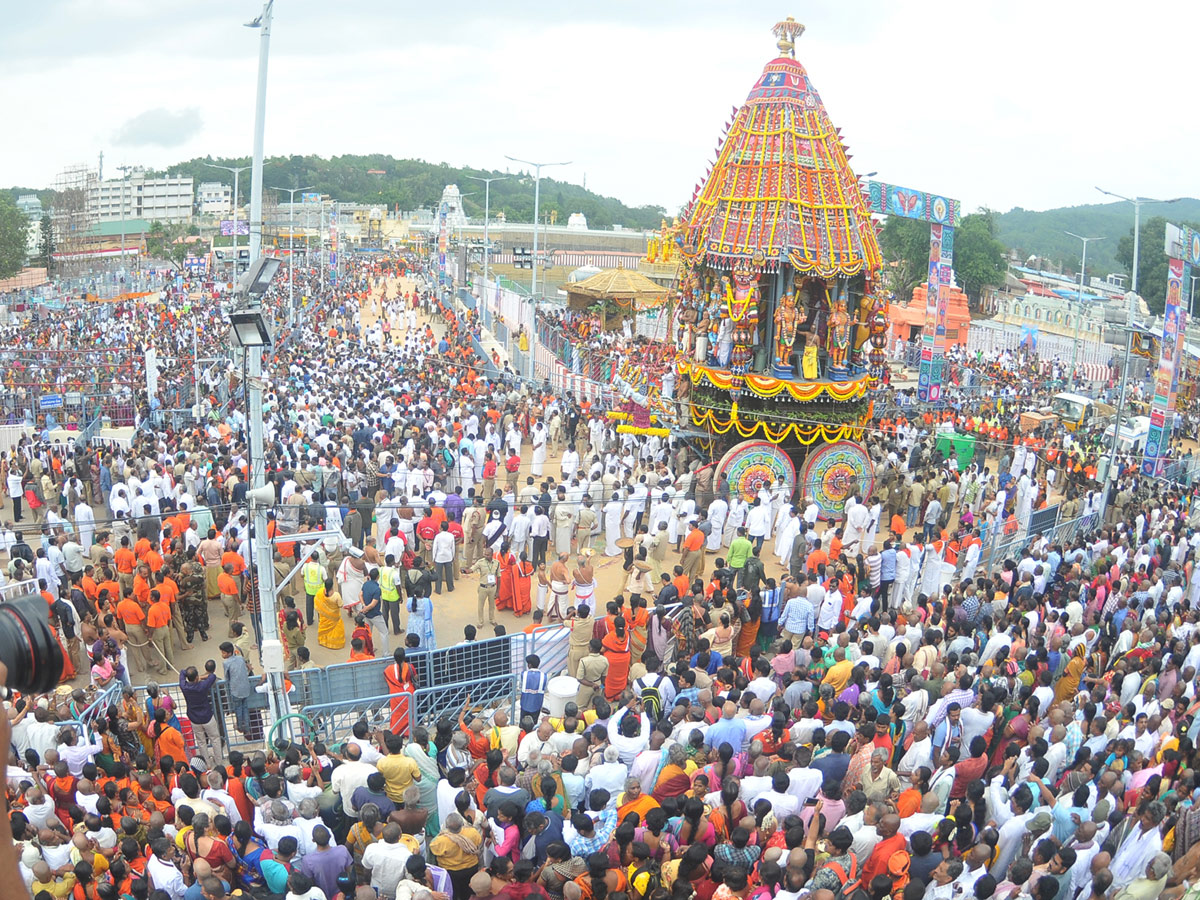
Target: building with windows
[214,198]
[170,198]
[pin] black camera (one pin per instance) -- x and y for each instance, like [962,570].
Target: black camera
[29,646]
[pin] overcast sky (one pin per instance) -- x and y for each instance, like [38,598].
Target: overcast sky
[1001,104]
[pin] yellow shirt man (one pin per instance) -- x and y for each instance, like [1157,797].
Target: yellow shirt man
[838,675]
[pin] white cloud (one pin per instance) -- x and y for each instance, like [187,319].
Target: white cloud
[1018,104]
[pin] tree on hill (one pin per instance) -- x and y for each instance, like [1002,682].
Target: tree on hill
[978,256]
[45,254]
[905,246]
[410,184]
[14,229]
[1152,261]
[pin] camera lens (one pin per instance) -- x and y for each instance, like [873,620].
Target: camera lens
[28,646]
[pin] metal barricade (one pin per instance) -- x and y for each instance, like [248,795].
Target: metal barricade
[335,721]
[15,589]
[550,645]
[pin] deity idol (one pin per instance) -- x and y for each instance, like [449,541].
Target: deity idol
[839,335]
[787,319]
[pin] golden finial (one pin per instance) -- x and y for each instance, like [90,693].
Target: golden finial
[787,31]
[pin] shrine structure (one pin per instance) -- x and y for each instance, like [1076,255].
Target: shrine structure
[780,334]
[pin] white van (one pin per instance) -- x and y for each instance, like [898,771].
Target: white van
[1135,430]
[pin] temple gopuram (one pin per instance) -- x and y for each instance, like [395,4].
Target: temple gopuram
[778,330]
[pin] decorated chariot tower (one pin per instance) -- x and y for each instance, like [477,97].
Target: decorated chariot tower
[778,328]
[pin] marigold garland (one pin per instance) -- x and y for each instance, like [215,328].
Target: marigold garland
[804,433]
[767,387]
[646,432]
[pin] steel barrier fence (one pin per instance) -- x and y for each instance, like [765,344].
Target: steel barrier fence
[1000,547]
[334,721]
[489,671]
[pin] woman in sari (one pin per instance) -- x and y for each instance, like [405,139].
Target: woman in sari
[673,780]
[156,700]
[616,647]
[331,630]
[522,578]
[720,636]
[506,593]
[1068,681]
[420,621]
[249,852]
[749,633]
[639,621]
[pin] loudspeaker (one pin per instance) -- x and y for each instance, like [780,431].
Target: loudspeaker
[263,496]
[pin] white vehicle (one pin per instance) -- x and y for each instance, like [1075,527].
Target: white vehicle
[1135,430]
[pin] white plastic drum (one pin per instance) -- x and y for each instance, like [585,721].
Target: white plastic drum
[560,691]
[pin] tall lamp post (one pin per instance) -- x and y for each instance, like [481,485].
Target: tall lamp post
[263,24]
[237,171]
[1130,299]
[537,194]
[487,201]
[292,248]
[262,270]
[1082,277]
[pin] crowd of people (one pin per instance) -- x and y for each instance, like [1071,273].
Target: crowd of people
[767,705]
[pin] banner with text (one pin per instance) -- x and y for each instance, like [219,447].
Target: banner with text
[1166,381]
[937,299]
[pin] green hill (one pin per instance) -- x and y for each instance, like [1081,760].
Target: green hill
[413,183]
[1043,233]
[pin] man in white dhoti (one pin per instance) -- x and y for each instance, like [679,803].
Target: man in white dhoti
[538,439]
[903,575]
[858,519]
[1140,845]
[564,524]
[85,523]
[735,518]
[613,511]
[931,571]
[786,535]
[758,523]
[718,511]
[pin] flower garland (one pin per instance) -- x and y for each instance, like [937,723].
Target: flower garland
[776,434]
[634,429]
[767,387]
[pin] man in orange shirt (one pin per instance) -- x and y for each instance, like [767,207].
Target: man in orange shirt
[139,549]
[153,559]
[141,585]
[682,583]
[133,619]
[108,583]
[87,584]
[229,595]
[125,560]
[692,558]
[169,590]
[158,622]
[232,558]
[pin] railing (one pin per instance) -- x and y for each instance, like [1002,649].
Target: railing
[1000,547]
[425,706]
[592,363]
[15,589]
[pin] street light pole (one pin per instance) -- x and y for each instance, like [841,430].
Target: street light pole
[237,171]
[272,649]
[537,194]
[487,201]
[1130,299]
[263,24]
[1082,276]
[292,248]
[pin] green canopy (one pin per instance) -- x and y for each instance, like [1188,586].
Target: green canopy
[959,446]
